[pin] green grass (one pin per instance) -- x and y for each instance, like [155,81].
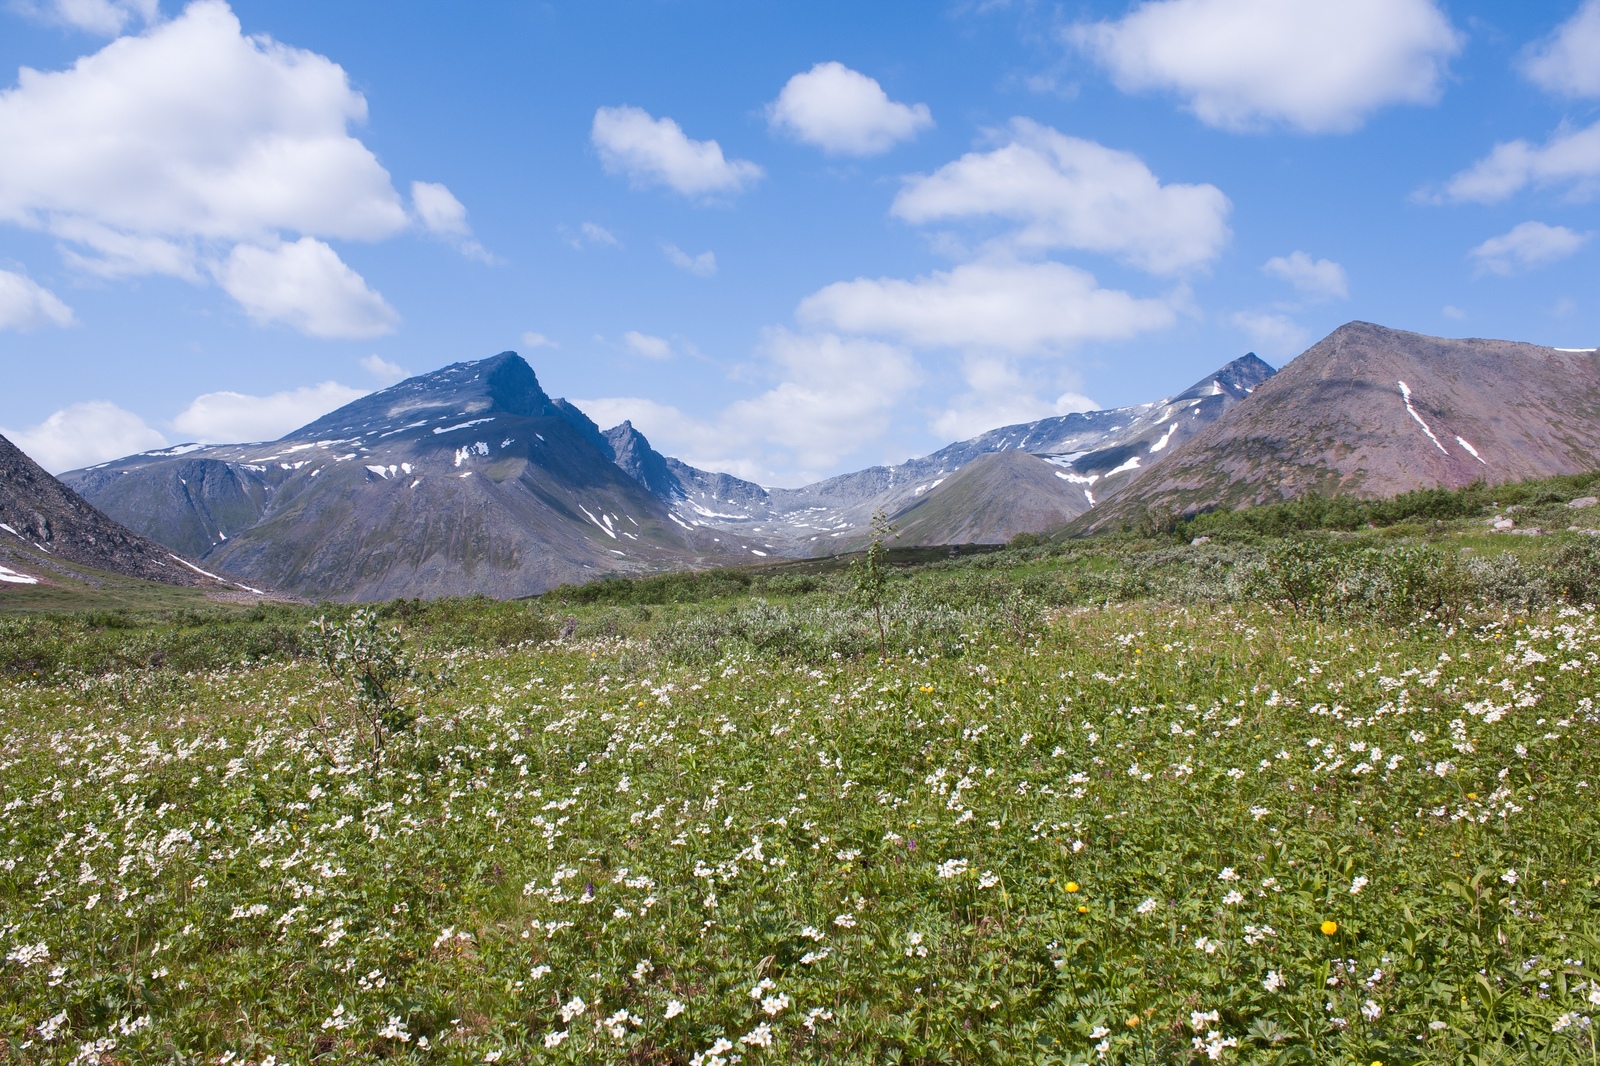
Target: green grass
[1100,800]
[96,591]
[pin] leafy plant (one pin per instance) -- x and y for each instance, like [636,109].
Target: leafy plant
[370,661]
[872,574]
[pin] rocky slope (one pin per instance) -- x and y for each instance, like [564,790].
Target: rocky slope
[470,479]
[989,501]
[47,531]
[1373,411]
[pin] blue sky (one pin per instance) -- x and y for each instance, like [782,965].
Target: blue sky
[917,220]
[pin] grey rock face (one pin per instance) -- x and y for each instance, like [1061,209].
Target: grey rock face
[469,479]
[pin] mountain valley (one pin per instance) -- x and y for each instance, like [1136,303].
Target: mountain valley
[471,479]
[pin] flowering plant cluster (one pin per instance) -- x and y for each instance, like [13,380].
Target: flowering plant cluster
[1137,833]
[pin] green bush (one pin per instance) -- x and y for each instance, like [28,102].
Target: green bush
[1575,571]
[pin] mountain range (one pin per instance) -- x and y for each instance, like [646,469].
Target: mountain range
[471,479]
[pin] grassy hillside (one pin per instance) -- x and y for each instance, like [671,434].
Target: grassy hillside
[1320,799]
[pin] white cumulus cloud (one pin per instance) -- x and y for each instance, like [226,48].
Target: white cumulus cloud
[441,213]
[1066,192]
[833,396]
[306,286]
[1314,65]
[646,345]
[84,434]
[1529,245]
[1314,277]
[235,418]
[701,266]
[161,152]
[382,369]
[836,395]
[192,130]
[1570,157]
[1567,63]
[1023,308]
[531,339]
[999,395]
[844,112]
[656,151]
[27,305]
[105,17]
[1272,333]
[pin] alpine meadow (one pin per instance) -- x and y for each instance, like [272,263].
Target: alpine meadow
[712,533]
[1304,796]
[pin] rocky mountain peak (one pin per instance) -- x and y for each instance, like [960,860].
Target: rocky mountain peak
[503,384]
[632,452]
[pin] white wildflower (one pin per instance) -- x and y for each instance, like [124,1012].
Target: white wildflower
[817,1014]
[48,1028]
[395,1029]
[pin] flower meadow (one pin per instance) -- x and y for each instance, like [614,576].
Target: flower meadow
[1121,832]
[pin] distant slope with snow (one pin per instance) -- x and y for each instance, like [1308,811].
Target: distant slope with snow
[989,501]
[1095,453]
[49,532]
[466,480]
[1373,411]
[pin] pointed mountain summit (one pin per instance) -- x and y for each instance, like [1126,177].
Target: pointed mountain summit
[1372,411]
[468,479]
[632,452]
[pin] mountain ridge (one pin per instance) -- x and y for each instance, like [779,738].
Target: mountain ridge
[508,491]
[1371,410]
[469,479]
